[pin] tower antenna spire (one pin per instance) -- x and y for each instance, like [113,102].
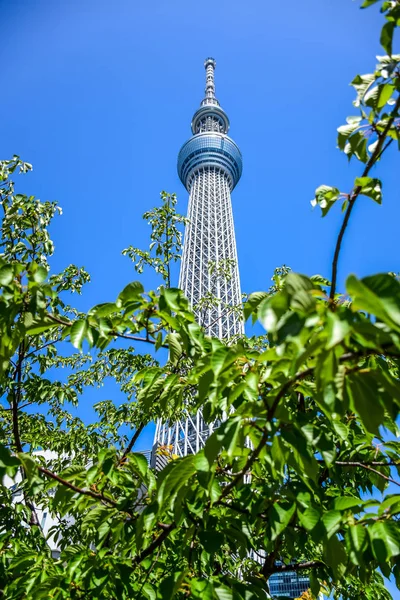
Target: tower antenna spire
[210,98]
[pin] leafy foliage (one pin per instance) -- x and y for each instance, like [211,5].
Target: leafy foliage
[301,473]
[166,239]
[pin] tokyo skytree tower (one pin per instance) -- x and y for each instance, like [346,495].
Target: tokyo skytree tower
[209,166]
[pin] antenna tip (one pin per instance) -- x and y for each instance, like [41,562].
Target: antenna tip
[210,61]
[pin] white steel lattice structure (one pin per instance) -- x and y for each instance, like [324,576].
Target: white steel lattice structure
[209,166]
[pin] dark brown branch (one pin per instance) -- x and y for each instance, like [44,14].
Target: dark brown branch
[270,559]
[368,468]
[375,463]
[137,338]
[377,153]
[16,398]
[32,352]
[310,564]
[132,442]
[15,426]
[78,490]
[240,474]
[125,336]
[234,507]
[166,530]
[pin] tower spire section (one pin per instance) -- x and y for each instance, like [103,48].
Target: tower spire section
[210,98]
[209,166]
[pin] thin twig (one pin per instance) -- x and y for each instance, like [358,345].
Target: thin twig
[126,336]
[136,338]
[375,463]
[42,347]
[75,488]
[364,466]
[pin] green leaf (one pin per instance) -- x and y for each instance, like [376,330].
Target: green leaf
[357,146]
[252,303]
[370,187]
[385,540]
[280,518]
[332,521]
[309,518]
[357,543]
[325,198]
[78,333]
[271,309]
[361,83]
[346,502]
[385,94]
[34,325]
[224,593]
[379,295]
[174,299]
[40,274]
[175,348]
[341,429]
[6,275]
[170,585]
[371,98]
[104,310]
[8,464]
[132,292]
[338,328]
[228,434]
[279,453]
[368,3]
[149,592]
[139,463]
[387,36]
[345,131]
[217,360]
[201,589]
[325,373]
[335,556]
[365,401]
[173,477]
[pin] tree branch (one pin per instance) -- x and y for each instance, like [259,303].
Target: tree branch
[166,530]
[78,490]
[126,336]
[310,564]
[32,352]
[366,466]
[15,426]
[376,463]
[132,442]
[379,149]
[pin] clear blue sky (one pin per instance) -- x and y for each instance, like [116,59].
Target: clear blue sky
[99,97]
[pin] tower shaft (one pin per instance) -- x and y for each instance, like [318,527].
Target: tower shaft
[209,166]
[209,273]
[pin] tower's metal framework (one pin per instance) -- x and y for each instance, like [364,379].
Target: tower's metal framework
[209,166]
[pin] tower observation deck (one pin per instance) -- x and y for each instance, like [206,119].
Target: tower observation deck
[209,166]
